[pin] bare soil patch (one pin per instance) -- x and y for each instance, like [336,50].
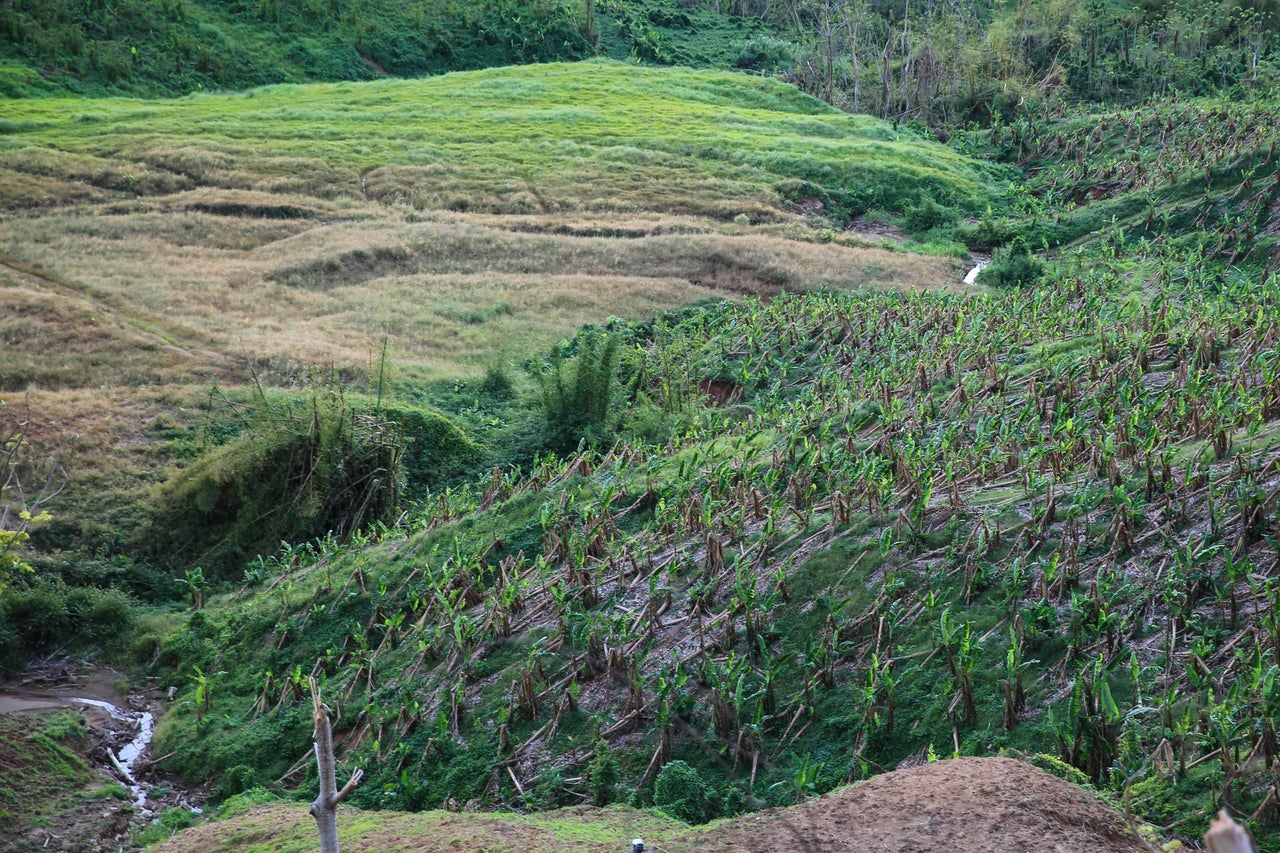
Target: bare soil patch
[967,805]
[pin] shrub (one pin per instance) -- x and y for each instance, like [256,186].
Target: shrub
[765,53]
[576,403]
[681,792]
[108,615]
[927,215]
[602,775]
[237,780]
[47,612]
[435,451]
[297,472]
[1013,266]
[496,384]
[37,613]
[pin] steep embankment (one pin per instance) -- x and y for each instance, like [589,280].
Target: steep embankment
[1036,519]
[969,805]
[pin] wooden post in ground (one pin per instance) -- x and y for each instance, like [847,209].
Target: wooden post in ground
[1227,836]
[325,807]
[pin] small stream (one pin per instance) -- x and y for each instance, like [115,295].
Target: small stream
[128,756]
[972,275]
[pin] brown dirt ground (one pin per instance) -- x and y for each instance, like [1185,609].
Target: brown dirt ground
[968,805]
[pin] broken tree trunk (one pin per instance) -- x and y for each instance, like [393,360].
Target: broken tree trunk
[325,807]
[1227,836]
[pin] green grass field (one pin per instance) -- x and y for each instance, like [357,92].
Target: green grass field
[599,136]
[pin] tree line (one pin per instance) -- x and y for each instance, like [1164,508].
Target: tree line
[949,62]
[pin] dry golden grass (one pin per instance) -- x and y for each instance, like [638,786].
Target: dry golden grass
[105,303]
[211,277]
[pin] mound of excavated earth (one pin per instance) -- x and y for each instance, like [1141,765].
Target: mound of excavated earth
[969,805]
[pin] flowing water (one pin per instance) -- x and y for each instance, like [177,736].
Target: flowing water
[972,276]
[129,754]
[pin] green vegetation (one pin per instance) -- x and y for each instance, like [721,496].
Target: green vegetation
[968,506]
[690,488]
[300,469]
[680,792]
[177,244]
[579,407]
[552,138]
[1012,266]
[179,46]
[942,66]
[44,764]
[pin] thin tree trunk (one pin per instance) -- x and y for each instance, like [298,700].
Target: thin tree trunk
[1227,836]
[325,807]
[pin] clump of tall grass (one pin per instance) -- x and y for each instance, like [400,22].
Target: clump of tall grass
[299,470]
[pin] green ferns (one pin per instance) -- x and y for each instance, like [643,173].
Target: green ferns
[577,407]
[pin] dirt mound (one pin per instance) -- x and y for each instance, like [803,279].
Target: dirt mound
[967,805]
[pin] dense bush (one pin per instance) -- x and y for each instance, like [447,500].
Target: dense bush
[174,47]
[435,450]
[1012,266]
[296,473]
[577,393]
[927,215]
[682,793]
[49,614]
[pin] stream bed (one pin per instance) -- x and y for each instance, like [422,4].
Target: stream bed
[125,760]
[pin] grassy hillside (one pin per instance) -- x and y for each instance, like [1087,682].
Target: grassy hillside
[222,221]
[1039,520]
[553,138]
[292,222]
[151,249]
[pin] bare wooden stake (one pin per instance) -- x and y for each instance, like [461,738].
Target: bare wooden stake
[1227,836]
[325,807]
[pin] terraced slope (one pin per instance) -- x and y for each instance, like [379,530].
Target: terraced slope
[470,219]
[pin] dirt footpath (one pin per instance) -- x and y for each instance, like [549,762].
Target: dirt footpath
[11,704]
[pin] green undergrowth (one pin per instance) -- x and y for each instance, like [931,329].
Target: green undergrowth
[1038,519]
[1198,172]
[43,757]
[295,467]
[547,138]
[179,46]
